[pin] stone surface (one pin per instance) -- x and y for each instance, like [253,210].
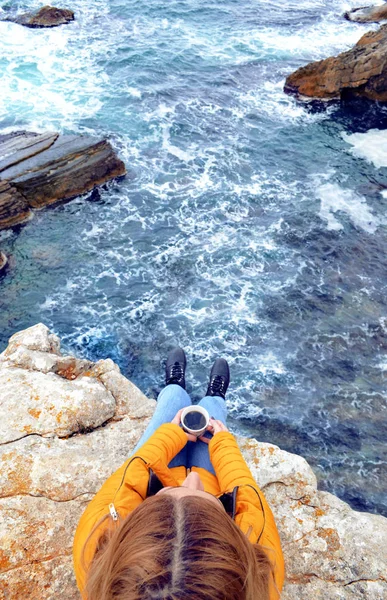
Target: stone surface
[367,14]
[14,208]
[38,337]
[46,480]
[361,71]
[40,169]
[47,404]
[47,16]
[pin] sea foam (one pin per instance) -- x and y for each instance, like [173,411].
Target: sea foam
[372,146]
[335,199]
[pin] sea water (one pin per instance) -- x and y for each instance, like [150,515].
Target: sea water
[249,226]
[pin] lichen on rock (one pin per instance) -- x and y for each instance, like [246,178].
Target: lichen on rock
[52,466]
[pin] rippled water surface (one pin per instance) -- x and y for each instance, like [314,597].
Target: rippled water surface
[248,226]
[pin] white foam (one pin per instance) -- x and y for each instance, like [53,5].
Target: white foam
[322,39]
[372,146]
[335,199]
[52,78]
[94,231]
[132,91]
[270,364]
[383,365]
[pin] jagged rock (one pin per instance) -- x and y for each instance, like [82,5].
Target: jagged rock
[361,71]
[129,399]
[3,261]
[46,404]
[47,16]
[367,14]
[38,337]
[331,551]
[39,169]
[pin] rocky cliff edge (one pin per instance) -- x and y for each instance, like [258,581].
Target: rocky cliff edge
[66,424]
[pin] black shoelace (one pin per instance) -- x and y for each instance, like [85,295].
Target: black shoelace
[176,371]
[217,384]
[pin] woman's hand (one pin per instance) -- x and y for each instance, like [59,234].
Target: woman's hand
[214,427]
[177,421]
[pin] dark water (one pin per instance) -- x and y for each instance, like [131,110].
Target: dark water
[248,226]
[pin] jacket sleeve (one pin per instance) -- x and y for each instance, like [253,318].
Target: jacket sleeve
[125,489]
[253,514]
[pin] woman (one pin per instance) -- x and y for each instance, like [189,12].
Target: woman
[183,518]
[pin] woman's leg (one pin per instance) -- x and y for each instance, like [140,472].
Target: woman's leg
[198,455]
[170,400]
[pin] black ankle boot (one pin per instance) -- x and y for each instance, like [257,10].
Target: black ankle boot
[219,378]
[175,368]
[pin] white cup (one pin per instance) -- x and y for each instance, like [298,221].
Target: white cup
[195,420]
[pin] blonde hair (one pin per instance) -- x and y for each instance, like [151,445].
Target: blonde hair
[178,549]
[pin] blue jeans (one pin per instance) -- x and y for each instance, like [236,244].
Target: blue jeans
[170,400]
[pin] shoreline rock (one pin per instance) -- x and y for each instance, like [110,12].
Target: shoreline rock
[361,71]
[367,14]
[61,447]
[47,16]
[37,170]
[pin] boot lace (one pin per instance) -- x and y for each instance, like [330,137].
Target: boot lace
[176,371]
[217,384]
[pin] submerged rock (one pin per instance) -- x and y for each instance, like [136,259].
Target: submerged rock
[46,480]
[361,71]
[47,16]
[367,14]
[40,169]
[3,261]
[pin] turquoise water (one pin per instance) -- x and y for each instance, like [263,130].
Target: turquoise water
[248,225]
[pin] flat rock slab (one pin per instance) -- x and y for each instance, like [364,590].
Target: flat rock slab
[46,480]
[40,169]
[367,14]
[361,71]
[47,16]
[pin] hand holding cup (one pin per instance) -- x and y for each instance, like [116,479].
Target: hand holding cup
[195,421]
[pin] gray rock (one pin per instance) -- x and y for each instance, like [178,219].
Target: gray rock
[40,169]
[331,552]
[15,147]
[27,464]
[46,404]
[367,14]
[38,337]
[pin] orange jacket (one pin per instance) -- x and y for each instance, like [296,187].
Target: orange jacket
[127,488]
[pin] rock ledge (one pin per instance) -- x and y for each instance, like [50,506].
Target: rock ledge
[68,423]
[39,169]
[361,71]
